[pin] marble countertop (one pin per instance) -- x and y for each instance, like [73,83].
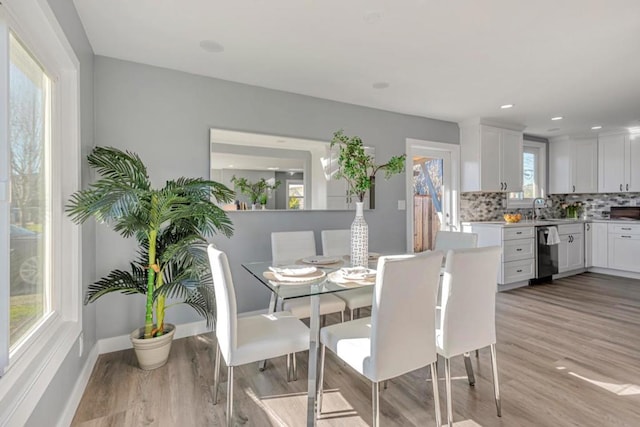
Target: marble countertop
[544,222]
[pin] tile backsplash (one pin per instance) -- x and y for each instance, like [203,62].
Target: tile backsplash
[491,206]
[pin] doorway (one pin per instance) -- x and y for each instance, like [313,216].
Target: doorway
[432,195]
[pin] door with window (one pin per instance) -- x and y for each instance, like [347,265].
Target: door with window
[533,176]
[431,199]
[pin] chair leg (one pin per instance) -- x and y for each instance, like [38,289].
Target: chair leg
[385,384]
[324,320]
[229,395]
[375,403]
[288,367]
[469,367]
[477,353]
[216,375]
[321,379]
[352,310]
[436,393]
[342,316]
[447,376]
[496,388]
[295,366]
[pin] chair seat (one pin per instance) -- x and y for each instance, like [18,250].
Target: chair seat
[351,342]
[301,307]
[266,336]
[357,298]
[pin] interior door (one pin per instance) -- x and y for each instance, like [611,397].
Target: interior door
[431,172]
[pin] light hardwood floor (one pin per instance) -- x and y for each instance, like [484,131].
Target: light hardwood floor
[568,355]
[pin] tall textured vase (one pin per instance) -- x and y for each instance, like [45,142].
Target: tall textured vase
[359,239]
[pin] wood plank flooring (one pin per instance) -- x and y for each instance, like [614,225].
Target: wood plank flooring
[568,355]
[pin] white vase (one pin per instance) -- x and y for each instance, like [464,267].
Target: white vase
[359,239]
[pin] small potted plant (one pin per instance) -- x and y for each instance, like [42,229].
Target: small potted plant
[170,225]
[263,200]
[254,190]
[359,169]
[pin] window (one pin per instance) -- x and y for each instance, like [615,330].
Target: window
[40,257]
[295,195]
[533,175]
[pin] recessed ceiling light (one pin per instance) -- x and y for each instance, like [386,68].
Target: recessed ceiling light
[211,46]
[596,127]
[380,85]
[273,168]
[230,166]
[557,118]
[505,106]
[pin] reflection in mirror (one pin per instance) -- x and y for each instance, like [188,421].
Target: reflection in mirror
[305,169]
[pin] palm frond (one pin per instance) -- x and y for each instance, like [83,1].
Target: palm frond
[134,282]
[120,166]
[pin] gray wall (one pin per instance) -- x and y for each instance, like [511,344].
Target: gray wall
[55,398]
[165,117]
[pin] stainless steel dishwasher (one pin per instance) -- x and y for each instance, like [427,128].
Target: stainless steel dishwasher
[546,256]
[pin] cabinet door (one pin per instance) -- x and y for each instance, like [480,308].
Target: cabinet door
[623,251]
[575,252]
[599,244]
[560,167]
[511,160]
[611,162]
[633,163]
[588,245]
[563,254]
[585,166]
[490,180]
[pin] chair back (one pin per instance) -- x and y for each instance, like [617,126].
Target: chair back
[288,246]
[403,314]
[336,242]
[226,310]
[469,300]
[447,240]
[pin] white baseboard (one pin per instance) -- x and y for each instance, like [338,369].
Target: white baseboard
[78,390]
[611,272]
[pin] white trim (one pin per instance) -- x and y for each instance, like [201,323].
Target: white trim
[78,390]
[454,150]
[616,273]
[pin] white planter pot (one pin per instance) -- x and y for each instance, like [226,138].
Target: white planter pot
[152,353]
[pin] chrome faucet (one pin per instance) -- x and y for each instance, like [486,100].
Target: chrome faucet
[534,216]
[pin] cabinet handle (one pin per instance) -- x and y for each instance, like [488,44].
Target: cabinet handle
[501,186]
[588,227]
[506,185]
[620,187]
[574,188]
[519,250]
[520,232]
[626,237]
[625,228]
[570,239]
[518,271]
[627,187]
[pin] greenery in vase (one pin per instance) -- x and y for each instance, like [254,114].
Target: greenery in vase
[254,190]
[572,210]
[169,224]
[263,199]
[357,167]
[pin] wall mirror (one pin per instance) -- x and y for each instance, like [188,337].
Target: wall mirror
[302,168]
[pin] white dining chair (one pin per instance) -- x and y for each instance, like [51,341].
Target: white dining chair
[289,246]
[247,339]
[399,337]
[338,243]
[468,308]
[447,240]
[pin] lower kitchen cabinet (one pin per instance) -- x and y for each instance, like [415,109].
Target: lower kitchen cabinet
[624,247]
[598,245]
[571,247]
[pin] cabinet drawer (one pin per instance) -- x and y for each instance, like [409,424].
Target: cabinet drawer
[517,271]
[517,233]
[623,252]
[571,228]
[624,228]
[513,250]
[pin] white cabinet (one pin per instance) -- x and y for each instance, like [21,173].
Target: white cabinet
[598,245]
[338,196]
[573,165]
[491,158]
[618,163]
[571,247]
[624,247]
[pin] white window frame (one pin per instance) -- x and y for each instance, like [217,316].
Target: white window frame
[294,182]
[541,173]
[33,364]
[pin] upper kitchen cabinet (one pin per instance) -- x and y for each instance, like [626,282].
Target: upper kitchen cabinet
[618,163]
[573,165]
[491,157]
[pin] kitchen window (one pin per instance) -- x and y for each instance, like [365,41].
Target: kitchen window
[40,259]
[534,157]
[295,195]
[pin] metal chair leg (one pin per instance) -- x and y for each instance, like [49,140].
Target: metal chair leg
[375,403]
[469,368]
[229,395]
[288,367]
[436,393]
[352,310]
[447,376]
[496,387]
[321,380]
[295,366]
[216,375]
[342,316]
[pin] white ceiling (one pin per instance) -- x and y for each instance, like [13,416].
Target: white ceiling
[453,60]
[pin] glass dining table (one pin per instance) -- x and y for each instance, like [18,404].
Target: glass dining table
[325,283]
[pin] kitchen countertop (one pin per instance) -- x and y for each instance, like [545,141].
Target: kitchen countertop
[545,222]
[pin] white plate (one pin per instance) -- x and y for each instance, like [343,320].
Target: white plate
[358,273]
[337,278]
[321,260]
[293,270]
[293,280]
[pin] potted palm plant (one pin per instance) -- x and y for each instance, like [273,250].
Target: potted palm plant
[256,191]
[170,225]
[359,169]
